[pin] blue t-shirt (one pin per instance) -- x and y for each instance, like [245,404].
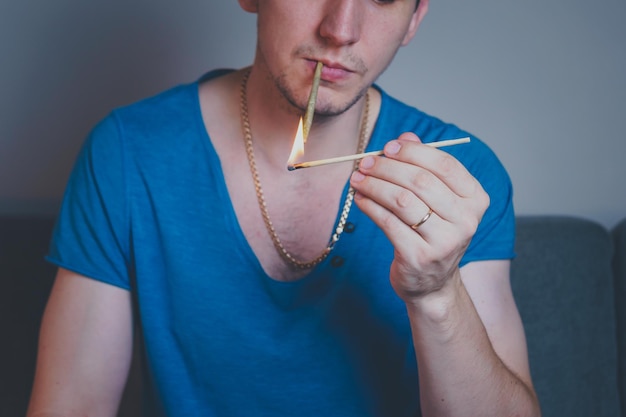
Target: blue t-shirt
[147,209]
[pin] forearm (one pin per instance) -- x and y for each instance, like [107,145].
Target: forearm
[460,374]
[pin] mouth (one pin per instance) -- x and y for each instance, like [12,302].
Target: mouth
[335,66]
[332,71]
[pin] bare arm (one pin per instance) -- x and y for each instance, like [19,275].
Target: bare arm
[471,347]
[85,349]
[468,338]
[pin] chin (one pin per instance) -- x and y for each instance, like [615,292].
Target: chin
[332,106]
[326,109]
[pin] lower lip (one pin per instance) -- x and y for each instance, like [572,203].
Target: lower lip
[334,74]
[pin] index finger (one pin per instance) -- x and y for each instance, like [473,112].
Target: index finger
[408,148]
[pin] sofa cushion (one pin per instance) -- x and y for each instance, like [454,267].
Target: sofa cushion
[26,281]
[619,267]
[563,284]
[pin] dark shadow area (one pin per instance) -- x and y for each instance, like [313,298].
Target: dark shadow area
[26,282]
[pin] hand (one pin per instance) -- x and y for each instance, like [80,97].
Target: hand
[399,190]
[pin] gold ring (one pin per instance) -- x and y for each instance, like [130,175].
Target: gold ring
[421,222]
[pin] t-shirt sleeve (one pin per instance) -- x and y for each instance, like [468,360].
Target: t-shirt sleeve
[495,236]
[91,235]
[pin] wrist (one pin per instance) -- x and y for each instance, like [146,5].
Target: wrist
[437,306]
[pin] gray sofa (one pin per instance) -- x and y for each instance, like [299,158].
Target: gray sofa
[569,279]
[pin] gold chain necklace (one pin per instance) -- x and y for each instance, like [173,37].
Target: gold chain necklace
[291,260]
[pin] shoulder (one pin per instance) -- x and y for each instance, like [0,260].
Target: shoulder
[494,239]
[159,113]
[396,117]
[167,112]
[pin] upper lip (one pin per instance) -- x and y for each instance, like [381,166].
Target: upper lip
[332,64]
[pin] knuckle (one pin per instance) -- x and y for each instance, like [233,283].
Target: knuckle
[482,202]
[421,180]
[447,165]
[481,195]
[403,198]
[486,201]
[386,221]
[470,226]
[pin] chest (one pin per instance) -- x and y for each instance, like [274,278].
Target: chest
[283,217]
[227,325]
[282,214]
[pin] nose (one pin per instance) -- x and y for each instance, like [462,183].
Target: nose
[342,22]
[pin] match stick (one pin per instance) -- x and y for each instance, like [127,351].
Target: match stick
[335,160]
[310,109]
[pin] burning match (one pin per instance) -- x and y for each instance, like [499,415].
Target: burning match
[338,159]
[310,109]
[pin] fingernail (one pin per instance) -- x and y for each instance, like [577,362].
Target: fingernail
[367,162]
[392,147]
[357,176]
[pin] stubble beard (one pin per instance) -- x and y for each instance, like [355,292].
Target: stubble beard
[322,109]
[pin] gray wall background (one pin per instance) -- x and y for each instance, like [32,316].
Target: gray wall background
[542,82]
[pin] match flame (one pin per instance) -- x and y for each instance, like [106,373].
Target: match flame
[298,145]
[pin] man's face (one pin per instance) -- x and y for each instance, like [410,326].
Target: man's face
[355,39]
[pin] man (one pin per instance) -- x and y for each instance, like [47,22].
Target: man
[181,214]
